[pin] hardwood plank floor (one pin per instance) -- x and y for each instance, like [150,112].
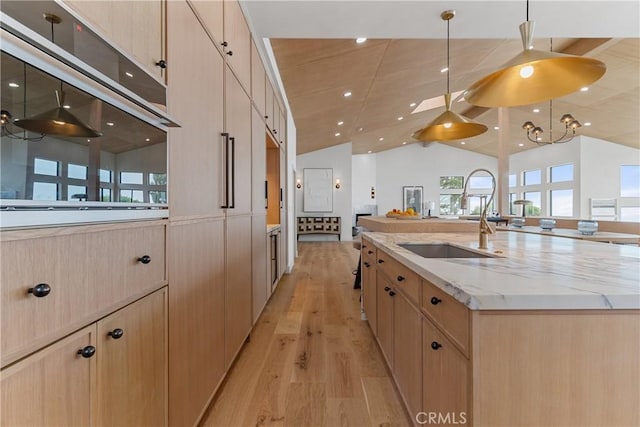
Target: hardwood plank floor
[311,360]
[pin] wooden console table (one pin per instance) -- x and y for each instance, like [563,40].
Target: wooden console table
[319,225]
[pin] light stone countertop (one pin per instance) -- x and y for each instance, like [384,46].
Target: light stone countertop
[272,227]
[534,272]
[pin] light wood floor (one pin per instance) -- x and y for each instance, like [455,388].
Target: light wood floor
[311,361]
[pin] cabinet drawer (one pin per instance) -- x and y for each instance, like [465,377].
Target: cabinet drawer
[449,314]
[368,252]
[125,263]
[30,319]
[400,276]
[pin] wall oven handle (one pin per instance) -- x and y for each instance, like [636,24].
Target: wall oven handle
[226,170]
[233,172]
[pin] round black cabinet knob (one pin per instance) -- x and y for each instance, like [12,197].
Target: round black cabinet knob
[162,64]
[387,289]
[145,259]
[275,131]
[116,334]
[370,252]
[435,300]
[380,261]
[366,264]
[435,345]
[87,352]
[230,53]
[392,293]
[266,117]
[400,278]
[224,44]
[40,290]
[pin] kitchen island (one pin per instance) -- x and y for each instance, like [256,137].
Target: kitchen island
[543,332]
[416,225]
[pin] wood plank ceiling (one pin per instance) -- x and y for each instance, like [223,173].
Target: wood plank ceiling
[386,76]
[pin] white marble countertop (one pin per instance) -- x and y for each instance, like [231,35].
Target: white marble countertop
[533,272]
[598,236]
[272,227]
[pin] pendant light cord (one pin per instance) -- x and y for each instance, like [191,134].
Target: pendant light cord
[448,71]
[527,10]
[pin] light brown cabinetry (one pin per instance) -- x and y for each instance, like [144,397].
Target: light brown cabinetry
[368,283]
[237,43]
[385,316]
[212,16]
[258,81]
[269,105]
[407,351]
[195,99]
[64,399]
[260,260]
[258,164]
[238,310]
[196,317]
[136,27]
[92,378]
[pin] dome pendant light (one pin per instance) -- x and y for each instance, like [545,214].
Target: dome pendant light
[449,126]
[534,76]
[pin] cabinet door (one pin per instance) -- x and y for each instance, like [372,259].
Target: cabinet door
[238,125]
[195,99]
[238,285]
[30,321]
[385,317]
[407,352]
[269,102]
[258,164]
[136,27]
[282,129]
[238,38]
[211,13]
[259,261]
[444,374]
[368,278]
[258,78]
[196,317]
[132,375]
[52,387]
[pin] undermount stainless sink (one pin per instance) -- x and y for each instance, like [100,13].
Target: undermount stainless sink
[441,250]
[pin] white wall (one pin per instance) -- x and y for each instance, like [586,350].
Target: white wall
[339,159]
[417,165]
[601,161]
[291,193]
[363,175]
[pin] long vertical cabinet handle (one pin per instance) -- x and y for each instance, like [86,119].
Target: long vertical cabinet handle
[233,172]
[226,170]
[266,194]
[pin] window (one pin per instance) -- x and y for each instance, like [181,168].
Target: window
[131,178]
[513,180]
[562,173]
[76,193]
[105,175]
[533,177]
[157,196]
[132,196]
[475,205]
[157,178]
[480,183]
[451,182]
[630,214]
[45,167]
[535,208]
[513,208]
[561,202]
[450,204]
[76,171]
[630,181]
[105,194]
[45,191]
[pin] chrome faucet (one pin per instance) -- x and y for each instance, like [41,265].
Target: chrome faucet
[485,228]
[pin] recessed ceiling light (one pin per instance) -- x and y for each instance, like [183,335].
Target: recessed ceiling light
[444,70]
[66,106]
[109,123]
[587,124]
[147,140]
[12,84]
[346,94]
[88,140]
[520,145]
[413,104]
[369,151]
[584,89]
[400,118]
[359,129]
[404,142]
[496,128]
[337,133]
[361,40]
[128,74]
[462,143]
[381,139]
[536,110]
[340,123]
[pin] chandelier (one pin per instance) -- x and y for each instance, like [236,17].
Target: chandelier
[534,133]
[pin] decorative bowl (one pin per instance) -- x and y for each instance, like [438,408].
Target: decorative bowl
[547,223]
[587,227]
[517,222]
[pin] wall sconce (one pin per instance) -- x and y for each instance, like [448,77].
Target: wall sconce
[338,183]
[298,183]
